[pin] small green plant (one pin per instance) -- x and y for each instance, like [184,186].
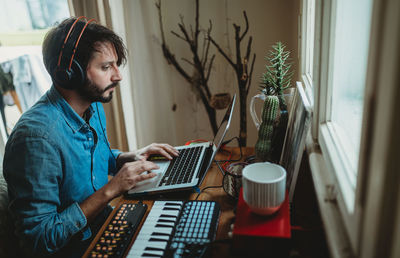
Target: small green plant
[278,75]
[266,131]
[275,80]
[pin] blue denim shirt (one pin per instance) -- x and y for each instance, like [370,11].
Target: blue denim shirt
[53,161]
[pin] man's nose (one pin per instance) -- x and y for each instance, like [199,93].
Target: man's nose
[116,75]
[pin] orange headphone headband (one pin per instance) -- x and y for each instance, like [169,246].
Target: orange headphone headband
[77,41]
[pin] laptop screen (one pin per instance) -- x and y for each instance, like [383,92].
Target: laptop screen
[224,126]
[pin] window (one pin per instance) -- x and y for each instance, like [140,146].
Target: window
[350,52]
[23,25]
[342,89]
[335,47]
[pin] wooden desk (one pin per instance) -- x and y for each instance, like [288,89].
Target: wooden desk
[213,178]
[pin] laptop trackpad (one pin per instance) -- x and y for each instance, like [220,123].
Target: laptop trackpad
[152,182]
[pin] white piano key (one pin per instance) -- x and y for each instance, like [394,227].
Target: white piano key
[149,236]
[148,231]
[152,226]
[141,245]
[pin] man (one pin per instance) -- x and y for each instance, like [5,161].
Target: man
[58,158]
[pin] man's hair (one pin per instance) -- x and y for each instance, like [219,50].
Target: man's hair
[93,34]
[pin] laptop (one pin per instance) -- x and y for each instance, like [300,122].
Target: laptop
[188,170]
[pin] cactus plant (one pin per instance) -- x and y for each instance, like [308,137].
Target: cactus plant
[275,80]
[266,130]
[278,76]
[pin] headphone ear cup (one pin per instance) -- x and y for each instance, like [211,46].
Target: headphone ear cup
[69,78]
[78,75]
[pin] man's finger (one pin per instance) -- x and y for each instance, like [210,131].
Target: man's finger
[145,176]
[171,149]
[164,153]
[139,167]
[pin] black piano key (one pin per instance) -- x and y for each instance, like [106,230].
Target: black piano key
[171,209]
[159,234]
[168,216]
[173,204]
[166,220]
[153,249]
[154,239]
[150,255]
[164,226]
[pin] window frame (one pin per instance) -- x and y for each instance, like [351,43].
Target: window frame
[343,189]
[307,18]
[347,189]
[333,153]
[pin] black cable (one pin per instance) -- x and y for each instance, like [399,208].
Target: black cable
[105,135]
[205,188]
[240,147]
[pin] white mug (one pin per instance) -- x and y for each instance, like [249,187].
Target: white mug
[264,187]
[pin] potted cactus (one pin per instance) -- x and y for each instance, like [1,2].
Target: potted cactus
[275,80]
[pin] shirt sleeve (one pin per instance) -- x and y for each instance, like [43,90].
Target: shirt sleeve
[33,170]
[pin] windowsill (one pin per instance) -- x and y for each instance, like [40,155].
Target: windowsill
[337,238]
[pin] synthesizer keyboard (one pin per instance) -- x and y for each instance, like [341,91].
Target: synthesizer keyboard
[177,229]
[117,235]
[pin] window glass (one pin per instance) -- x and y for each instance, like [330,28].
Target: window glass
[350,43]
[310,36]
[25,22]
[308,31]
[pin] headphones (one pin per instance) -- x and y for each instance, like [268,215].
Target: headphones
[68,73]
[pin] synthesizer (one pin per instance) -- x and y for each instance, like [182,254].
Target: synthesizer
[177,229]
[171,229]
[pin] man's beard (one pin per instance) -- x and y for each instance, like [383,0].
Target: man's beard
[93,93]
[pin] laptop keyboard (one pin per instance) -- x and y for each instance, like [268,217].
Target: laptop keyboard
[181,168]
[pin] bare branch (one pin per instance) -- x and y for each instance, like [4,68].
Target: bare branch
[182,22]
[247,26]
[209,67]
[222,52]
[237,41]
[197,79]
[186,60]
[204,51]
[191,31]
[179,36]
[172,60]
[207,48]
[158,5]
[167,53]
[182,27]
[206,39]
[251,74]
[197,22]
[249,48]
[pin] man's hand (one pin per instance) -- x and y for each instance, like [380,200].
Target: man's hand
[157,148]
[163,149]
[129,175]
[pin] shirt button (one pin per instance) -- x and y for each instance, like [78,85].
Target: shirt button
[90,138]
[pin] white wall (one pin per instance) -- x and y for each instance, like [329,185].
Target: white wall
[157,86]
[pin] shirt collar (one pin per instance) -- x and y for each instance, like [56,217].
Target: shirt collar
[74,121]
